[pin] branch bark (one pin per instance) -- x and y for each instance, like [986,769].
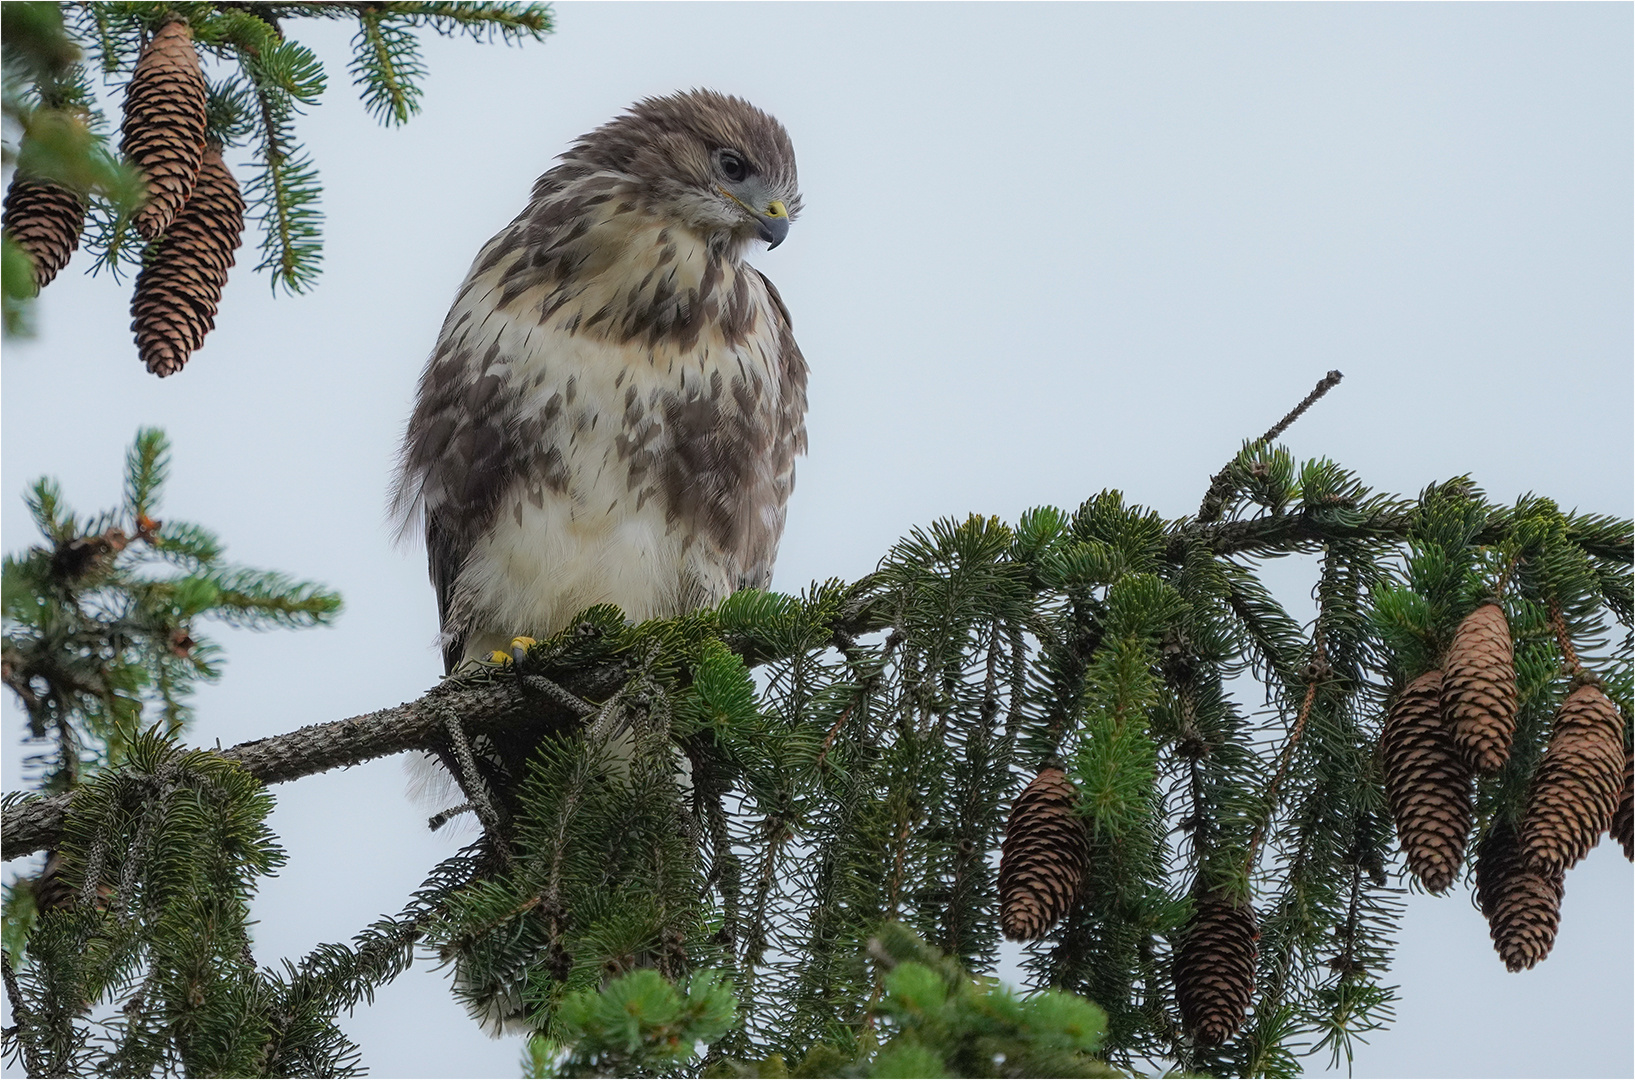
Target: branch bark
[33,824]
[485,703]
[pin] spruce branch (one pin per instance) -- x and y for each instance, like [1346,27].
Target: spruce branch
[485,703]
[285,190]
[386,66]
[513,22]
[51,103]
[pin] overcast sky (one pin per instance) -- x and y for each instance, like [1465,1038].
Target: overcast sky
[1046,250]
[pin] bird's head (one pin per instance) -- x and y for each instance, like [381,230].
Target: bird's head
[713,163]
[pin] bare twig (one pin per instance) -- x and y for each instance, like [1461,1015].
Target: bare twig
[540,684]
[474,784]
[438,820]
[1220,485]
[1564,639]
[1315,673]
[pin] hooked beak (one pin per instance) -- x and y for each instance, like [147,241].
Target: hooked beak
[771,224]
[774,224]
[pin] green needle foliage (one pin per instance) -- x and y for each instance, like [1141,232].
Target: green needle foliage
[762,840]
[639,1025]
[937,1021]
[148,969]
[260,81]
[102,621]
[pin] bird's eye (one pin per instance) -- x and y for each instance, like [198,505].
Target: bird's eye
[733,165]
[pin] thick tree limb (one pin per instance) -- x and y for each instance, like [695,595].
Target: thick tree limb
[484,704]
[33,824]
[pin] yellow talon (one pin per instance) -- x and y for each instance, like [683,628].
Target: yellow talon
[519,649]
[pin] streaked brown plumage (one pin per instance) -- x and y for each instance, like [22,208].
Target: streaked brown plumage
[616,400]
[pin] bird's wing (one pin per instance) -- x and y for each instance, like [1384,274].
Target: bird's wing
[459,454]
[788,441]
[445,554]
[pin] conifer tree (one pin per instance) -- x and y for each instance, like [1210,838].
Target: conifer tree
[784,836]
[816,896]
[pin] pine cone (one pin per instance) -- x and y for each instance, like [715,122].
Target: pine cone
[1479,689]
[174,305]
[1576,789]
[1427,782]
[1621,817]
[1522,904]
[1215,970]
[1043,858]
[164,127]
[44,219]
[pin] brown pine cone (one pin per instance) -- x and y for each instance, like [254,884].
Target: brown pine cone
[1427,782]
[1479,689]
[174,305]
[1576,788]
[45,220]
[1522,904]
[1215,970]
[1043,858]
[1621,817]
[165,104]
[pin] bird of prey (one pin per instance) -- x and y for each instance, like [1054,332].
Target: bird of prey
[615,402]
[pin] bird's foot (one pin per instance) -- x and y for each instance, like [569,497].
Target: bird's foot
[519,649]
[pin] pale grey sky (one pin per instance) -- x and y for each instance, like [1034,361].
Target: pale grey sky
[1047,249]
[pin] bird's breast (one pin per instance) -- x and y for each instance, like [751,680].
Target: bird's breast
[642,442]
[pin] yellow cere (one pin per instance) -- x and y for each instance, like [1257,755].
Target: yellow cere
[777,209]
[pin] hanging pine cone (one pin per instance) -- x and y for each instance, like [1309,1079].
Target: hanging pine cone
[44,219]
[1522,904]
[1427,782]
[1215,970]
[164,125]
[1043,858]
[1479,689]
[1621,817]
[1576,788]
[174,305]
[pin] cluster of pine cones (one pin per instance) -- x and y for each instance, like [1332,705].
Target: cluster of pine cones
[1042,862]
[193,214]
[1446,727]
